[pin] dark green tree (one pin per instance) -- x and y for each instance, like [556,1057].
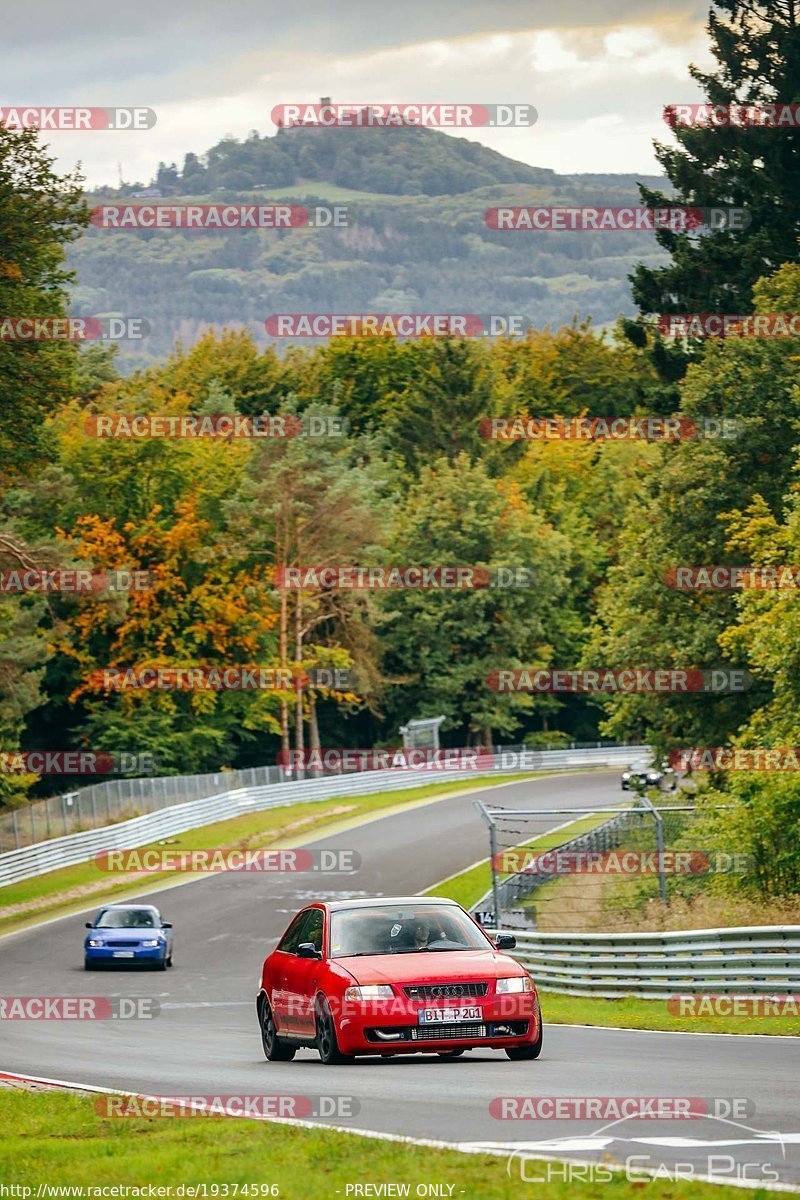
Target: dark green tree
[757,47]
[40,212]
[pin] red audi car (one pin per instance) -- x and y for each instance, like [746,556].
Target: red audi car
[394,976]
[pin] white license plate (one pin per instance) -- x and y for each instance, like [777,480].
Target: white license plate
[123,954]
[443,1016]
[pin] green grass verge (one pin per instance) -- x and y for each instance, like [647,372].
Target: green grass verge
[470,886]
[635,1013]
[72,888]
[58,1139]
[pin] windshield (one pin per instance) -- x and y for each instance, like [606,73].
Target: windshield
[404,930]
[135,918]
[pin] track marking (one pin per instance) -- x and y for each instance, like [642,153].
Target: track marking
[496,1149]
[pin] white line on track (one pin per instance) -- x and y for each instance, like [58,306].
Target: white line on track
[496,1149]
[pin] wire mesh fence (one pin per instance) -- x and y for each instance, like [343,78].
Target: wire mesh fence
[595,871]
[106,802]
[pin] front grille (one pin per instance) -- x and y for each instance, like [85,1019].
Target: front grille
[445,991]
[437,1033]
[123,945]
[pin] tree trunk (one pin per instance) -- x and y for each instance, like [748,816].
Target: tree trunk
[299,739]
[282,651]
[313,729]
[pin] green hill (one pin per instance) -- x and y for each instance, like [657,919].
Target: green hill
[417,240]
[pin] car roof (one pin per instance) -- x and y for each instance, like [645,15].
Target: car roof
[130,907]
[390,901]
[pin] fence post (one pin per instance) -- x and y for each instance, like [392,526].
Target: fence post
[16,830]
[659,820]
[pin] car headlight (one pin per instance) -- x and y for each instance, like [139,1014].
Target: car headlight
[152,942]
[519,983]
[626,774]
[95,942]
[372,991]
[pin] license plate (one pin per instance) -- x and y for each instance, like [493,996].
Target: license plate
[123,954]
[443,1016]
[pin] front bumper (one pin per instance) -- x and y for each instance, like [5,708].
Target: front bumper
[118,955]
[393,1026]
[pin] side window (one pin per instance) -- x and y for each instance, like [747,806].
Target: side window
[294,934]
[312,931]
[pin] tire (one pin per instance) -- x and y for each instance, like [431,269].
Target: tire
[169,961]
[87,964]
[161,964]
[326,1039]
[450,1053]
[532,1050]
[274,1049]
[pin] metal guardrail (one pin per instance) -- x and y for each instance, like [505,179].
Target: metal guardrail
[758,960]
[111,800]
[140,831]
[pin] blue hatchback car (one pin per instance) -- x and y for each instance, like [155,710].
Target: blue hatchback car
[128,933]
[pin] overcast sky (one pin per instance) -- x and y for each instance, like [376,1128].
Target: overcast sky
[598,73]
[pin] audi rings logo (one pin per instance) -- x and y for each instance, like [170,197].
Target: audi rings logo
[449,990]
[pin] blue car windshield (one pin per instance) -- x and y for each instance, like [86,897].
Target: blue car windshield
[137,918]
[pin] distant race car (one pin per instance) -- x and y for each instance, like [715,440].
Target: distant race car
[644,774]
[394,976]
[128,933]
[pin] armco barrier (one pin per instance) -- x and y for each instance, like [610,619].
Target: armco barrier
[139,831]
[760,960]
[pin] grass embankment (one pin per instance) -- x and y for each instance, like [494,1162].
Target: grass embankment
[55,1139]
[72,888]
[471,885]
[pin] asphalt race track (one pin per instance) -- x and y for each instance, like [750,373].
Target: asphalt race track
[205,1041]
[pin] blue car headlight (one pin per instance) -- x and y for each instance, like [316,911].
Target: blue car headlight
[153,942]
[95,942]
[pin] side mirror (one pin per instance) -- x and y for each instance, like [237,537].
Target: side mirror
[505,941]
[308,950]
[166,924]
[89,925]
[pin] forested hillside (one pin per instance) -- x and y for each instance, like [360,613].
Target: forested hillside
[416,241]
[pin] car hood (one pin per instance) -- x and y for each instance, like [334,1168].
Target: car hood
[431,966]
[123,935]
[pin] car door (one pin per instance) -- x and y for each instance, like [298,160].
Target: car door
[281,965]
[302,975]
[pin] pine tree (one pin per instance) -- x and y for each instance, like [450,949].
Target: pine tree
[757,46]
